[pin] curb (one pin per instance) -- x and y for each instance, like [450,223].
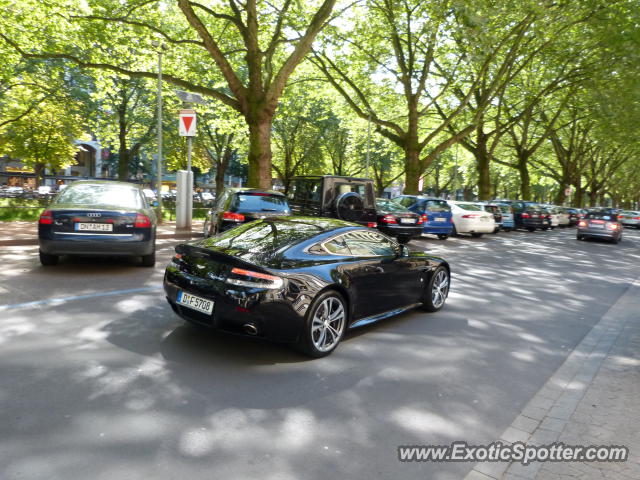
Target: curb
[546,415]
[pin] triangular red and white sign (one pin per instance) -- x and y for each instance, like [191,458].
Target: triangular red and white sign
[187,123]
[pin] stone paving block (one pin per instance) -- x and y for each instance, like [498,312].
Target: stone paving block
[492,469]
[475,475]
[512,435]
[535,412]
[553,424]
[525,423]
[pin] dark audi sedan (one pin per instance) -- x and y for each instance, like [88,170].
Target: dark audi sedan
[301,280]
[98,218]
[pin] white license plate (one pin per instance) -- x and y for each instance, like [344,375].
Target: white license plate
[596,225]
[534,216]
[440,219]
[407,220]
[94,227]
[194,302]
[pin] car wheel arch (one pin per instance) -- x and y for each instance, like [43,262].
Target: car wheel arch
[345,294]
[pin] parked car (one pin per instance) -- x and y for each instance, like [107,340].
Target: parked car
[468,217]
[527,215]
[346,198]
[150,195]
[600,224]
[397,221]
[574,216]
[98,218]
[508,221]
[494,210]
[630,218]
[435,212]
[553,215]
[241,205]
[301,280]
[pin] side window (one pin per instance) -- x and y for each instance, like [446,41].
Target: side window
[337,246]
[306,191]
[364,243]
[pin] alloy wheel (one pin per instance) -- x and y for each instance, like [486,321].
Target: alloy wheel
[328,324]
[440,288]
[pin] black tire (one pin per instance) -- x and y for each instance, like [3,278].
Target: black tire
[544,229]
[476,235]
[149,260]
[47,260]
[496,230]
[349,206]
[579,237]
[454,232]
[308,342]
[531,229]
[442,236]
[431,301]
[404,239]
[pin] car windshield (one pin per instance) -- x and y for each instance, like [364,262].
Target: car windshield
[100,194]
[259,203]
[601,215]
[470,206]
[389,206]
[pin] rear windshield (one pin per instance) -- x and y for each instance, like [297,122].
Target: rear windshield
[505,208]
[259,203]
[532,206]
[111,195]
[405,201]
[390,206]
[437,206]
[255,242]
[470,206]
[602,215]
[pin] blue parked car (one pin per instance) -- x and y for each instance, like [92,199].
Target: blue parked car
[508,219]
[435,212]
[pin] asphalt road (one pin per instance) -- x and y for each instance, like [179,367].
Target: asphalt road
[100,380]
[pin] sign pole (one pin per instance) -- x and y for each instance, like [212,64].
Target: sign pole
[184,201]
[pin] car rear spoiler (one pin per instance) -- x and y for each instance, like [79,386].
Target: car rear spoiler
[201,252]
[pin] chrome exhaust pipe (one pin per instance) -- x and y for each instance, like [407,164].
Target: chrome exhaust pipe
[250,329]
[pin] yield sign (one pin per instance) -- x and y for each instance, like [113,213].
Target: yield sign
[187,123]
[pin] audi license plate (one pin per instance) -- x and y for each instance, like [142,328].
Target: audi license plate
[94,227]
[596,225]
[407,220]
[194,302]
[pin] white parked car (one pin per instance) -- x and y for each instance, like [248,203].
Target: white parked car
[471,218]
[564,219]
[554,214]
[630,218]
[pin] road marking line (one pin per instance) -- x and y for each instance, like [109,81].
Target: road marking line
[58,301]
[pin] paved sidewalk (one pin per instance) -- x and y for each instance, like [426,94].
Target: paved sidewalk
[26,233]
[592,399]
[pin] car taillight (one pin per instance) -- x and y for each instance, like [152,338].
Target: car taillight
[388,219]
[142,221]
[424,218]
[420,221]
[372,224]
[525,215]
[471,215]
[613,226]
[636,218]
[248,278]
[582,223]
[46,218]
[233,217]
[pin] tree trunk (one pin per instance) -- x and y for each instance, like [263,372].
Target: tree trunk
[260,153]
[482,165]
[412,173]
[38,170]
[220,171]
[525,178]
[593,197]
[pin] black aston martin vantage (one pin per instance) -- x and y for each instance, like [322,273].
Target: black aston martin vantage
[301,280]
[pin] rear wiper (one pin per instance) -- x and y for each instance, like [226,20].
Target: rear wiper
[269,209]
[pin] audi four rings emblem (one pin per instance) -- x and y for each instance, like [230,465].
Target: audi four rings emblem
[94,214]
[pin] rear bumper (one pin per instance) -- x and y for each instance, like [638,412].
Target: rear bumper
[97,245]
[598,232]
[475,227]
[395,230]
[438,229]
[273,319]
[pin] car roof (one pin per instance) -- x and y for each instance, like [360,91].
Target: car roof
[254,190]
[103,182]
[421,197]
[341,177]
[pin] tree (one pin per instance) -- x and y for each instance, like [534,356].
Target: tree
[253,46]
[45,138]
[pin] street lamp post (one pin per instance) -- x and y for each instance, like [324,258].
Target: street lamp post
[161,47]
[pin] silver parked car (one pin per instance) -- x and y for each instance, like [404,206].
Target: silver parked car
[630,218]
